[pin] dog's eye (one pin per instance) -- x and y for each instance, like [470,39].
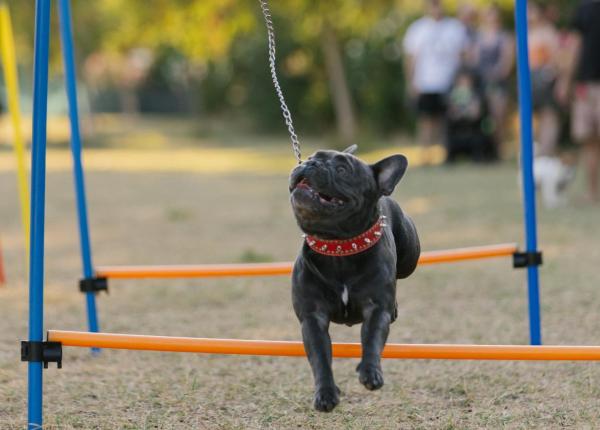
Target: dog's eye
[341,170]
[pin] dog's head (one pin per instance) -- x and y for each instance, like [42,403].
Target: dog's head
[335,194]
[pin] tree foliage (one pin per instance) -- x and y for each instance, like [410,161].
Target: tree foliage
[225,42]
[200,29]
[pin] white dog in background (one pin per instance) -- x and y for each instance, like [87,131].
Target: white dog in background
[552,176]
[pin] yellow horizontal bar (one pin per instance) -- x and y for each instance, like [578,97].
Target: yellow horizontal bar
[273,269]
[342,350]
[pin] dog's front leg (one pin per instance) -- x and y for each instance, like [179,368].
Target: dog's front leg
[317,343]
[374,333]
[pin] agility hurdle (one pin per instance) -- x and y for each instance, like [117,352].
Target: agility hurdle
[38,352]
[94,281]
[340,350]
[274,269]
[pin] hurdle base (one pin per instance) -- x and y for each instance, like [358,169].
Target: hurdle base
[522,260]
[42,352]
[93,285]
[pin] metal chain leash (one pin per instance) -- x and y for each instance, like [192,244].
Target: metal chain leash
[287,116]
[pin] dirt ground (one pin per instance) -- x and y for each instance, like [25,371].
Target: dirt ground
[149,216]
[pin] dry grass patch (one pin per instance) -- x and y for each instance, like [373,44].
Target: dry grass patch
[184,217]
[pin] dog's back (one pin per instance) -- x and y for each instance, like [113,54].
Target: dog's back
[408,248]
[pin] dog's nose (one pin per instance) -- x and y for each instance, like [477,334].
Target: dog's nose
[312,169]
[315,164]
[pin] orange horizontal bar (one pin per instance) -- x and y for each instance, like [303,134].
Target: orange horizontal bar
[195,271]
[273,269]
[345,350]
[472,253]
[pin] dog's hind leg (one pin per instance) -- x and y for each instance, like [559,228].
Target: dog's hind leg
[374,333]
[317,344]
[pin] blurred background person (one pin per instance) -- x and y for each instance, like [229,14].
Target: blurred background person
[493,59]
[543,57]
[434,46]
[584,71]
[468,15]
[566,58]
[467,112]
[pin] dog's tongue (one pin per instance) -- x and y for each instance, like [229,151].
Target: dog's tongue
[303,184]
[324,198]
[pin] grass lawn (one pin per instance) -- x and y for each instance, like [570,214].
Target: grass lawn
[149,215]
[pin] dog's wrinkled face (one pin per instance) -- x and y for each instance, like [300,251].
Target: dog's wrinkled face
[334,194]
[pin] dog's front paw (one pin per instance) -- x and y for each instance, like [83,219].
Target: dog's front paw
[327,398]
[370,376]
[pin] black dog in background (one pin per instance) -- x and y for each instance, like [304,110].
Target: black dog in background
[358,242]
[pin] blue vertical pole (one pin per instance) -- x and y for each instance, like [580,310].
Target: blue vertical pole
[525,112]
[66,33]
[38,191]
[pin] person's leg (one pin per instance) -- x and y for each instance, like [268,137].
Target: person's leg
[586,130]
[438,126]
[430,108]
[498,105]
[591,160]
[430,134]
[430,124]
[548,131]
[426,127]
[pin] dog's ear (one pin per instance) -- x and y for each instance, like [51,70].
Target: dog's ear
[388,172]
[351,149]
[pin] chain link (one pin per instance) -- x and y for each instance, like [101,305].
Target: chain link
[287,116]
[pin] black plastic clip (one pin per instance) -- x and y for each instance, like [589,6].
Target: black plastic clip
[527,259]
[45,352]
[93,285]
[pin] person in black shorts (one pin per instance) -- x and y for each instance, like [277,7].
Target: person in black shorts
[432,104]
[434,47]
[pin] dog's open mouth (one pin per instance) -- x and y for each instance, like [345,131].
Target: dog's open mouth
[323,198]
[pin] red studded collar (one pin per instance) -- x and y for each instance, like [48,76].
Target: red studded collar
[354,245]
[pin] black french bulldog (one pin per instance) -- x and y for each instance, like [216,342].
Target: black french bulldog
[358,242]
